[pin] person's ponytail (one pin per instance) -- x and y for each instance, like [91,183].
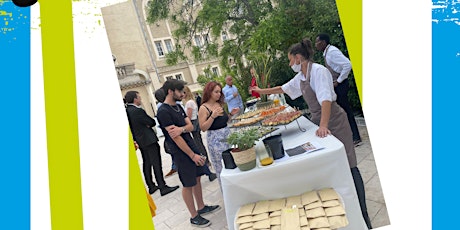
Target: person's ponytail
[308,46]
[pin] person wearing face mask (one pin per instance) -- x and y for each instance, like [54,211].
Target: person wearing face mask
[314,82]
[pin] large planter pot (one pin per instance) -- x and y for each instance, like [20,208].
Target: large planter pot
[245,160]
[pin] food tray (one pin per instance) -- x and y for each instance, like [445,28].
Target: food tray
[248,114]
[246,122]
[281,122]
[263,130]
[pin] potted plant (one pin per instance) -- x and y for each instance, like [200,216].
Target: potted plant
[244,153]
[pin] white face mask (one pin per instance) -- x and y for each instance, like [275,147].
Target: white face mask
[296,67]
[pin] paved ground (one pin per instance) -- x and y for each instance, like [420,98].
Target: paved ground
[172,212]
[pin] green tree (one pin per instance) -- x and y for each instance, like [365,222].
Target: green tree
[259,26]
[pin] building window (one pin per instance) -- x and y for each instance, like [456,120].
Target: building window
[192,2]
[164,46]
[215,70]
[224,36]
[206,73]
[159,47]
[202,40]
[177,76]
[198,41]
[169,46]
[206,39]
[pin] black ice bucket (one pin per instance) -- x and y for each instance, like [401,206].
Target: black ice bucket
[228,159]
[276,145]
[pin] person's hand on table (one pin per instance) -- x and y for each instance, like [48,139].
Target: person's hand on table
[322,132]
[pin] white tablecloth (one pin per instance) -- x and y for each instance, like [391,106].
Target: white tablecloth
[295,175]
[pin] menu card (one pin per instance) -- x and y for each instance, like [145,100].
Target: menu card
[304,148]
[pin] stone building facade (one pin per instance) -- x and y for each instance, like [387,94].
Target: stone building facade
[139,51]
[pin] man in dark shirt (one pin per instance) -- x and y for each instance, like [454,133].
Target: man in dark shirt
[141,126]
[176,127]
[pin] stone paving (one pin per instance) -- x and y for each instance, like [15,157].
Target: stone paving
[173,214]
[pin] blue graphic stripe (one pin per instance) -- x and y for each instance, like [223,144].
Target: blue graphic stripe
[445,124]
[15,117]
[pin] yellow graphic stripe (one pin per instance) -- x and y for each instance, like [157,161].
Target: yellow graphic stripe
[351,16]
[61,114]
[139,211]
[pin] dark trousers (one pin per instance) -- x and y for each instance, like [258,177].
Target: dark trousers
[342,99]
[359,185]
[152,159]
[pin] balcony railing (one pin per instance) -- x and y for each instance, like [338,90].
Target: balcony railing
[124,70]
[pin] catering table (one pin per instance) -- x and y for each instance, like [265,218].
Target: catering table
[290,176]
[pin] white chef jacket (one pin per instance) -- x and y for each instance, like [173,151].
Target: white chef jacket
[320,82]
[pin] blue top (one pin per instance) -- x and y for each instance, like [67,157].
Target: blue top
[232,102]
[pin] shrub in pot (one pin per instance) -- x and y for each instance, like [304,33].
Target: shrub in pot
[244,152]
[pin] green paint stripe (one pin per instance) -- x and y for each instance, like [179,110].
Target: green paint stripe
[350,12]
[139,211]
[61,114]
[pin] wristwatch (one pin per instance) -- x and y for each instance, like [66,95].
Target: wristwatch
[184,130]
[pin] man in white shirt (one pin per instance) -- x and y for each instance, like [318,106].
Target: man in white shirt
[340,67]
